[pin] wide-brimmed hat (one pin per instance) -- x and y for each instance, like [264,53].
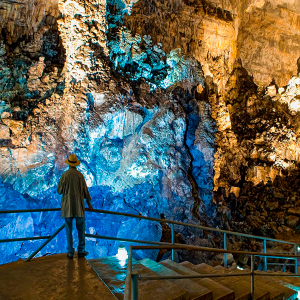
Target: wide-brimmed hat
[72,161]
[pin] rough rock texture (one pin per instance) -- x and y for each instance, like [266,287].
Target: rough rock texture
[23,18]
[186,110]
[273,33]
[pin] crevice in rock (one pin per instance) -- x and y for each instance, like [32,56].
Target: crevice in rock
[192,122]
[52,48]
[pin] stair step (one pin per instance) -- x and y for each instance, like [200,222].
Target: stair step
[241,286]
[242,291]
[262,284]
[113,274]
[277,290]
[283,283]
[195,290]
[219,291]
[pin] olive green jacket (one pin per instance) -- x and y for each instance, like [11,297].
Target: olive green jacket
[73,187]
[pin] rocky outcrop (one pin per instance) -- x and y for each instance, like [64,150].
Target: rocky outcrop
[20,19]
[256,162]
[271,30]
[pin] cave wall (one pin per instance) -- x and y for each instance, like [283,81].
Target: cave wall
[165,103]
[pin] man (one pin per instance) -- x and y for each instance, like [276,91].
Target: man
[73,187]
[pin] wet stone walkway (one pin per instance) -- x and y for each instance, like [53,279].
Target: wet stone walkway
[51,278]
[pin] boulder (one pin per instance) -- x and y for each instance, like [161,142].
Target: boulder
[292,221]
[4,132]
[271,205]
[254,221]
[278,195]
[294,211]
[15,126]
[235,190]
[287,229]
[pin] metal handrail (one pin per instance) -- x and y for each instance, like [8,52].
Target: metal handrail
[208,249]
[104,237]
[172,223]
[158,220]
[13,211]
[131,291]
[25,239]
[225,232]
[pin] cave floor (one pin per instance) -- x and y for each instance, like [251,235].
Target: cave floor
[50,278]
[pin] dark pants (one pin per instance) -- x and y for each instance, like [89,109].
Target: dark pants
[81,231]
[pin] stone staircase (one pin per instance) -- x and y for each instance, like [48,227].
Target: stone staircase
[113,274]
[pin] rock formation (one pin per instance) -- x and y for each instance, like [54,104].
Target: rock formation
[183,109]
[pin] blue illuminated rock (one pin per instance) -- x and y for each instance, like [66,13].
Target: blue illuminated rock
[133,155]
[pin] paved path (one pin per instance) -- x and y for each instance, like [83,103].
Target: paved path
[51,278]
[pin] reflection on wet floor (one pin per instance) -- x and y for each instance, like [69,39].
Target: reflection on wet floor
[113,272]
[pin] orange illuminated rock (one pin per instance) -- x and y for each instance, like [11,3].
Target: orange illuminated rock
[15,126]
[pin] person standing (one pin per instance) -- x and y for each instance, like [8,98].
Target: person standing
[74,190]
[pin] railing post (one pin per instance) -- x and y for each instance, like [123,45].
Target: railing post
[129,276]
[173,239]
[130,260]
[225,248]
[45,243]
[266,258]
[134,286]
[296,262]
[252,277]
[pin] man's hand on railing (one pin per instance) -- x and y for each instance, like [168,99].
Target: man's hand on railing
[90,208]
